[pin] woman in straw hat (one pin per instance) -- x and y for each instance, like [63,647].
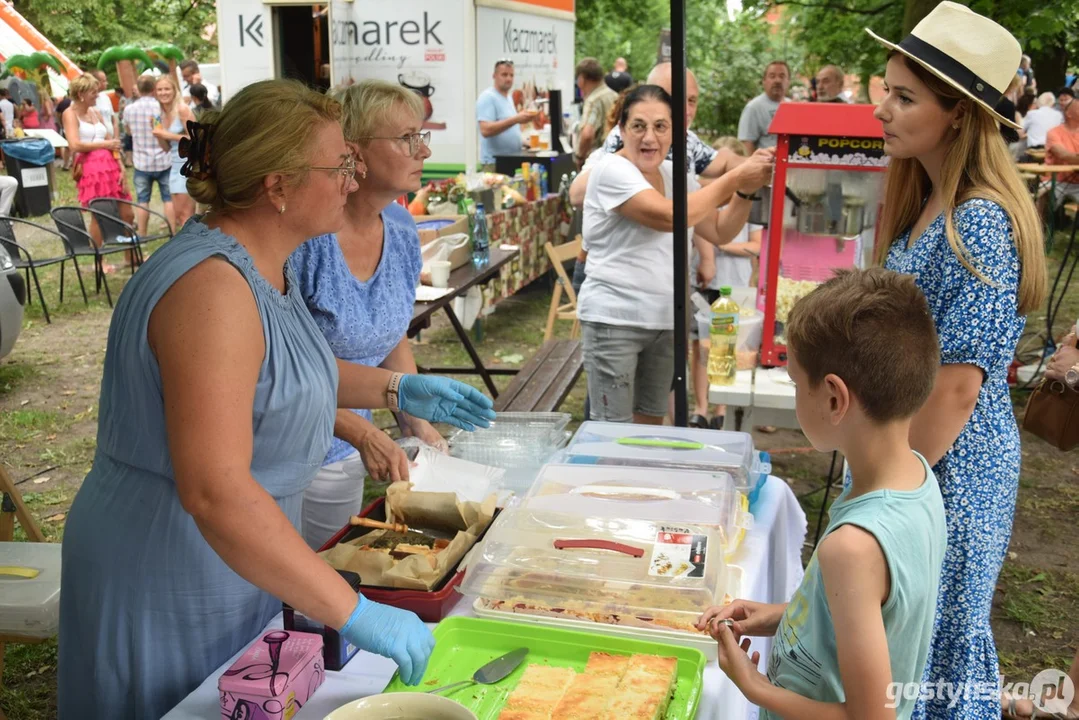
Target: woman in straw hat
[957,217]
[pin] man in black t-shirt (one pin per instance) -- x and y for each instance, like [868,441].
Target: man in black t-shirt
[618,79]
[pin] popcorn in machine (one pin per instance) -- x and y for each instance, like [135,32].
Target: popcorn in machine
[822,210]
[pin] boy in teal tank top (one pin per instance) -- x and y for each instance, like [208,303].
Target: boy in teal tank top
[863,354]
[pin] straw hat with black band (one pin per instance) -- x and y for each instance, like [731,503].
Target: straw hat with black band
[968,51]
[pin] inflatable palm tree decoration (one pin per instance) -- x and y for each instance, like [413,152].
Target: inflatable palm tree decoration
[124,57]
[35,68]
[168,53]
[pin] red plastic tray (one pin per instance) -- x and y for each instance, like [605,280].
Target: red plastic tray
[430,605]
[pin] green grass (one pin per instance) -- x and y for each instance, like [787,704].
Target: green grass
[49,277]
[24,426]
[29,688]
[14,373]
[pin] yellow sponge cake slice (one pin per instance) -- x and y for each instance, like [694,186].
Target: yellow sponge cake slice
[587,698]
[645,689]
[538,693]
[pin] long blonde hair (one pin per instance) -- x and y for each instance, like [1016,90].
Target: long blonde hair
[977,165]
[170,111]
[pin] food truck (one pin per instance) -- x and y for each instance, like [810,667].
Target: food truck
[444,50]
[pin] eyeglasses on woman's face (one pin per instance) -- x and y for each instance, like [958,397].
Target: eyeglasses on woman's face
[413,141]
[345,171]
[638,128]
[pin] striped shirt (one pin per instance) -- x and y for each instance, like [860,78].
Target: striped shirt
[149,156]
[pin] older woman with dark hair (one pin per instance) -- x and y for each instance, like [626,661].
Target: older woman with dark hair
[625,303]
[360,285]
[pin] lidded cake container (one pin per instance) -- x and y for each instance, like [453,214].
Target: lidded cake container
[603,443]
[643,493]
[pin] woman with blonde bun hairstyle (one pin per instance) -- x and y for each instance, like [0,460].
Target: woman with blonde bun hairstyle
[218,401]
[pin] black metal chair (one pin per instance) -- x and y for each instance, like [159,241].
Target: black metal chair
[23,260]
[112,207]
[70,222]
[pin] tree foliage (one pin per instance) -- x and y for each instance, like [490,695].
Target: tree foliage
[727,55]
[609,29]
[83,29]
[831,30]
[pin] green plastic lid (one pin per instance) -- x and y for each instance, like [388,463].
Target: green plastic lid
[725,290]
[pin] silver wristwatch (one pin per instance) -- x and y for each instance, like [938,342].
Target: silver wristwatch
[1072,377]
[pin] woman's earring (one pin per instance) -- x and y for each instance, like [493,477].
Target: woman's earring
[363,174]
[281,210]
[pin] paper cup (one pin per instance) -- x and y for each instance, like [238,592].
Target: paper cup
[440,273]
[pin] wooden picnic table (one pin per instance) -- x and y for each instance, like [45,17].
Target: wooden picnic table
[461,281]
[1039,169]
[1044,169]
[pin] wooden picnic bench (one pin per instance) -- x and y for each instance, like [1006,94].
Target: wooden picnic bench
[545,381]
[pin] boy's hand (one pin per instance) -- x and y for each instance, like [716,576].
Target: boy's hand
[750,618]
[736,660]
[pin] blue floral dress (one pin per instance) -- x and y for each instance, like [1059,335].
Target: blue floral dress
[979,324]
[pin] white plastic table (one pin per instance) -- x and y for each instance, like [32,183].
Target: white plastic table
[765,396]
[771,559]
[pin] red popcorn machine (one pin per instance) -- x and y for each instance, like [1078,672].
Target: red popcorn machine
[822,211]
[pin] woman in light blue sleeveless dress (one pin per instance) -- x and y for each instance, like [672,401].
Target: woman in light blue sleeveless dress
[182,542]
[175,114]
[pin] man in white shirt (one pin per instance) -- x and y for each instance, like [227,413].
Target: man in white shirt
[104,104]
[758,112]
[7,111]
[190,71]
[830,82]
[1041,120]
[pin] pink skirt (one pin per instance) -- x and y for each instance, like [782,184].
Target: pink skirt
[101,177]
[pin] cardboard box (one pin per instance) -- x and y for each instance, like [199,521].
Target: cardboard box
[438,227]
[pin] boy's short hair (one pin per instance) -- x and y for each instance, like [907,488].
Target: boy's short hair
[873,329]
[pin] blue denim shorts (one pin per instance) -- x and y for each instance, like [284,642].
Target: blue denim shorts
[144,184]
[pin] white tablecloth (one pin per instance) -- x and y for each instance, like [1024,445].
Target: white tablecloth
[770,556]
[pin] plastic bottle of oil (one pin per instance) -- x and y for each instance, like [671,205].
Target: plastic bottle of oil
[722,361]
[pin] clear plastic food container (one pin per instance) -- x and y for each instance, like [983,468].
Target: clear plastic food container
[603,443]
[611,492]
[518,442]
[30,589]
[635,574]
[547,428]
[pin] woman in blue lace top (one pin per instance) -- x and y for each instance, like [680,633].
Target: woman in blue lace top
[360,285]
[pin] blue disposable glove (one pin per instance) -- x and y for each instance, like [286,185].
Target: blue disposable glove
[393,633]
[439,399]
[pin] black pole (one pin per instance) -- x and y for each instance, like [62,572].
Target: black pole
[681,249]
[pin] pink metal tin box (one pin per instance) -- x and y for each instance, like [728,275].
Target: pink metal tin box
[274,677]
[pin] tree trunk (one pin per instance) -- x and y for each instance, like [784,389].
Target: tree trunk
[125,71]
[914,11]
[1050,64]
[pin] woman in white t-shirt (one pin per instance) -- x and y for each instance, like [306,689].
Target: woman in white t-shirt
[625,305]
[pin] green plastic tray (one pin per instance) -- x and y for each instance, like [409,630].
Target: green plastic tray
[464,644]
